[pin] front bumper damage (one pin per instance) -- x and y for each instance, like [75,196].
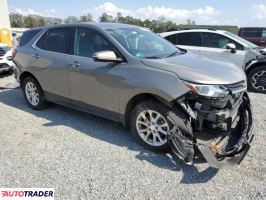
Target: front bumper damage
[221,129]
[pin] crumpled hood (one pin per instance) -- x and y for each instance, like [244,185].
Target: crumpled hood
[198,69]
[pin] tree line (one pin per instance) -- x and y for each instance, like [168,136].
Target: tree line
[160,25]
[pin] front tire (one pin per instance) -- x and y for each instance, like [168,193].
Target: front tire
[150,126]
[257,80]
[33,94]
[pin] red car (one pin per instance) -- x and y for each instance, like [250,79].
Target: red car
[256,35]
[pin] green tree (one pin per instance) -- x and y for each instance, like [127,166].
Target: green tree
[106,18]
[71,19]
[16,20]
[86,18]
[29,21]
[119,18]
[53,20]
[160,25]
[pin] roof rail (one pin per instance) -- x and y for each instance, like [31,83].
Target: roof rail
[174,29]
[183,29]
[211,29]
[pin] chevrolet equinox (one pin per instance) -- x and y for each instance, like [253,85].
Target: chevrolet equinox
[166,96]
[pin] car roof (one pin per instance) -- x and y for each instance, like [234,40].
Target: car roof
[252,28]
[100,25]
[165,34]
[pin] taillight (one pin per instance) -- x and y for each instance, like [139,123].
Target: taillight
[14,52]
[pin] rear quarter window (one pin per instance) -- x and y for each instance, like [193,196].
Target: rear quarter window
[27,36]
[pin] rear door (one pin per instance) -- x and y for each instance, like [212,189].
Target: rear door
[214,47]
[50,61]
[189,40]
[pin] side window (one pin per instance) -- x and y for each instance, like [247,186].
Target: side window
[251,33]
[171,38]
[264,33]
[56,40]
[213,40]
[87,42]
[27,36]
[189,39]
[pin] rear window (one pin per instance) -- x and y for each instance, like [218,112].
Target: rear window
[56,40]
[189,39]
[27,36]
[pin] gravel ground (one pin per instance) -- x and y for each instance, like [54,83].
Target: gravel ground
[86,157]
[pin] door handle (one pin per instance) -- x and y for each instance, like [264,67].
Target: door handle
[74,64]
[35,55]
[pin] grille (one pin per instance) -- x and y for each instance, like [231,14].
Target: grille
[238,87]
[2,52]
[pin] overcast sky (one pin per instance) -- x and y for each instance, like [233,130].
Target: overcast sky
[226,12]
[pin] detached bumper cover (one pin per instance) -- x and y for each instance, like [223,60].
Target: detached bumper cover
[225,148]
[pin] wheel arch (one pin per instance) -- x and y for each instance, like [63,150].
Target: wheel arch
[141,97]
[26,74]
[258,64]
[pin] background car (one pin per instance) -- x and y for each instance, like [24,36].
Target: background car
[5,58]
[223,45]
[256,35]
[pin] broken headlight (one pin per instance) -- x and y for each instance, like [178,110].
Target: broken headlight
[216,91]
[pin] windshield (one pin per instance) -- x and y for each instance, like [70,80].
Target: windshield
[249,44]
[142,43]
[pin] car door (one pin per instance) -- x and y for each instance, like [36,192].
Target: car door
[191,41]
[93,85]
[214,47]
[50,61]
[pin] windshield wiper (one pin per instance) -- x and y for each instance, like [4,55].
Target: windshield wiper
[151,57]
[172,54]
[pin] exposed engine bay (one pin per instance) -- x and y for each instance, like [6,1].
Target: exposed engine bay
[220,128]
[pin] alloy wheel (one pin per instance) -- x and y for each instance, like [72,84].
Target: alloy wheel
[32,93]
[259,81]
[152,127]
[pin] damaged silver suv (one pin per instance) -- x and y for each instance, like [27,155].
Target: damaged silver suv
[166,96]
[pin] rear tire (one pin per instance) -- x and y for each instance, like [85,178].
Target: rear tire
[257,80]
[33,93]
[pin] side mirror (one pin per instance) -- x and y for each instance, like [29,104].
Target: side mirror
[232,47]
[106,56]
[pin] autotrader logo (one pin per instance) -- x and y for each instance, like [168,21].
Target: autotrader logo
[27,193]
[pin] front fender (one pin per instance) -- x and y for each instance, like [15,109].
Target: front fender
[148,80]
